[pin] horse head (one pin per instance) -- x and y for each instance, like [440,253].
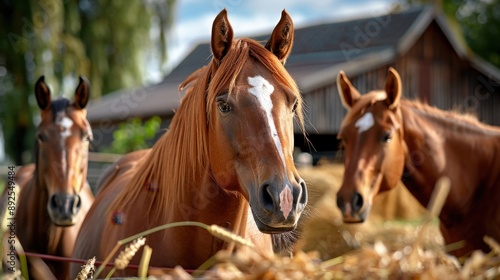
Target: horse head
[62,146]
[372,135]
[252,103]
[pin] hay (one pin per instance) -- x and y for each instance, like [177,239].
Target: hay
[384,247]
[322,228]
[329,249]
[377,260]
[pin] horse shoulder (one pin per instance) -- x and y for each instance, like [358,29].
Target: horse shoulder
[22,179]
[92,230]
[119,167]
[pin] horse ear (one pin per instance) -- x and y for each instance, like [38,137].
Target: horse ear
[42,93]
[393,88]
[82,93]
[281,40]
[222,36]
[348,93]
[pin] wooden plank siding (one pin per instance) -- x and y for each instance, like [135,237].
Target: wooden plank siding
[431,71]
[435,67]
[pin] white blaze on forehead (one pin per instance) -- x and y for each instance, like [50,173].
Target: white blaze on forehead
[66,124]
[365,122]
[262,89]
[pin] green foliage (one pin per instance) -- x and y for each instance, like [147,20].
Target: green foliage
[109,42]
[16,63]
[133,135]
[478,23]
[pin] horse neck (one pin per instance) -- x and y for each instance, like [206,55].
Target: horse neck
[209,203]
[182,190]
[441,144]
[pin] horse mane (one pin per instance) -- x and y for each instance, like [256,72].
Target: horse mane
[455,116]
[361,104]
[465,117]
[179,159]
[58,106]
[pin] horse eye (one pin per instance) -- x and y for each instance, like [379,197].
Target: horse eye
[387,137]
[341,143]
[41,138]
[224,107]
[295,104]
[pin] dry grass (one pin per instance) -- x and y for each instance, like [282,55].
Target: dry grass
[392,244]
[322,227]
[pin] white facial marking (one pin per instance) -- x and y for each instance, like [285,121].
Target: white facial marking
[365,122]
[286,201]
[262,89]
[66,124]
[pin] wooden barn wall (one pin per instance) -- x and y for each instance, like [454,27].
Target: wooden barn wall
[431,71]
[324,110]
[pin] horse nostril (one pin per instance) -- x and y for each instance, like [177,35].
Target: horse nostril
[77,204]
[267,197]
[357,202]
[54,202]
[303,188]
[340,203]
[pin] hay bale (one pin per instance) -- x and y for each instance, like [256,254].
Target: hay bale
[321,227]
[397,204]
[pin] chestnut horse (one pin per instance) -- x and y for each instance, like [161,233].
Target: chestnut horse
[387,139]
[226,159]
[54,194]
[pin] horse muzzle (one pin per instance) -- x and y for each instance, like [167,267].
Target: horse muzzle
[277,209]
[355,198]
[64,208]
[353,207]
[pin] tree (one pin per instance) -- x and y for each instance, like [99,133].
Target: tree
[480,21]
[133,135]
[16,55]
[107,41]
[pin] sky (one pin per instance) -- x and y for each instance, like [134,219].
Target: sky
[193,18]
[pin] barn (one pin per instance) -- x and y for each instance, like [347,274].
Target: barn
[435,67]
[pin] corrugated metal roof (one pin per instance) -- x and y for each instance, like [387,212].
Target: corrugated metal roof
[319,52]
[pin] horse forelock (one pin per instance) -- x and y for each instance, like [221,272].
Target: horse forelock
[244,51]
[179,159]
[59,106]
[365,101]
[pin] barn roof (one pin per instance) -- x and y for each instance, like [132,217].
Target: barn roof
[319,52]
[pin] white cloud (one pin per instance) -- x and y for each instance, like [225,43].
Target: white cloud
[257,17]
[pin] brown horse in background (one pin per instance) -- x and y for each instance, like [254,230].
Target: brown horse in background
[226,159]
[387,139]
[54,194]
